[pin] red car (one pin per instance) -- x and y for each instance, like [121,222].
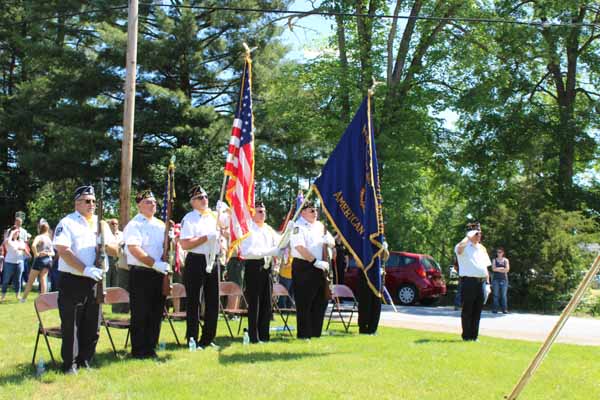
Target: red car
[409,278]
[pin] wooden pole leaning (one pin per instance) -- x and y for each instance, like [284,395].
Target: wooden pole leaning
[545,348]
[128,112]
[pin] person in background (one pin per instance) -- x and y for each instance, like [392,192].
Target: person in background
[473,262]
[13,262]
[43,251]
[500,268]
[341,261]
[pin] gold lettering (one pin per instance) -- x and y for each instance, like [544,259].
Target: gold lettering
[348,213]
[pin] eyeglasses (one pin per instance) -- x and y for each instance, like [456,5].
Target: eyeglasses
[114,223]
[260,211]
[88,201]
[149,202]
[201,197]
[311,210]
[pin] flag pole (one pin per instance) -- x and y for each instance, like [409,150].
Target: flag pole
[286,235]
[539,357]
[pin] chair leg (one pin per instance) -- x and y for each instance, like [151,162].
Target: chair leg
[330,315]
[227,323]
[49,349]
[37,340]
[111,340]
[127,337]
[173,329]
[240,325]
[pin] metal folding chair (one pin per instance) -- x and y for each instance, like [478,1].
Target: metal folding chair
[234,294]
[339,292]
[116,295]
[46,302]
[284,312]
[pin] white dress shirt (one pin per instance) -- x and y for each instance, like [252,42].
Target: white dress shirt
[197,224]
[74,232]
[261,239]
[310,236]
[146,233]
[473,261]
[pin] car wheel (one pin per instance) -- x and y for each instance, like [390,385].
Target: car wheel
[407,295]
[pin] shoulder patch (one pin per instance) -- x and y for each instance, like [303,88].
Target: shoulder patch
[296,230]
[58,230]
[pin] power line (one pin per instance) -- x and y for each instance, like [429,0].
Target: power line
[298,13]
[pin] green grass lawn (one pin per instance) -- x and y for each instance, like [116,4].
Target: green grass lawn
[397,363]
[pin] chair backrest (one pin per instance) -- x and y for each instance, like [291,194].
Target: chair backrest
[280,290]
[116,295]
[230,289]
[178,291]
[234,294]
[341,291]
[46,302]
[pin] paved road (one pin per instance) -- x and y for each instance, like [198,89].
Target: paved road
[534,327]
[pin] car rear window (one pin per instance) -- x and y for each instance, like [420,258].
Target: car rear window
[429,263]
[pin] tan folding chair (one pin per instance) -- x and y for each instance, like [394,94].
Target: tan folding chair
[116,295]
[233,292]
[280,291]
[339,292]
[177,292]
[46,302]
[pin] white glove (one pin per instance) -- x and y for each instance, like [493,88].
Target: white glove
[324,265]
[161,266]
[328,240]
[385,245]
[211,236]
[93,273]
[272,252]
[221,206]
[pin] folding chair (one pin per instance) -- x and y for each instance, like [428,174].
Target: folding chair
[338,292]
[234,295]
[284,312]
[116,295]
[46,302]
[177,292]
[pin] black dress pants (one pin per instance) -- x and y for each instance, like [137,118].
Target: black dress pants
[147,307]
[79,319]
[195,278]
[309,289]
[472,304]
[258,295]
[369,307]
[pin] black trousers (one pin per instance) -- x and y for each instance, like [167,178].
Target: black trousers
[472,304]
[339,271]
[147,306]
[369,307]
[309,289]
[195,277]
[79,319]
[259,287]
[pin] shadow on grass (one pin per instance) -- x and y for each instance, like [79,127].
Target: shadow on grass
[251,358]
[426,341]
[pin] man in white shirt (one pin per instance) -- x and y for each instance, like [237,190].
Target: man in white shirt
[76,239]
[309,271]
[199,237]
[256,251]
[143,237]
[473,262]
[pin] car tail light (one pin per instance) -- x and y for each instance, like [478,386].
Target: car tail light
[421,272]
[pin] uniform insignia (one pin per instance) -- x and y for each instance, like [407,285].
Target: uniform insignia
[58,230]
[296,230]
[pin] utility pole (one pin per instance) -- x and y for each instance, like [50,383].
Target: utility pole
[128,112]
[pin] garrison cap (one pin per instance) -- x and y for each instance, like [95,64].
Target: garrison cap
[84,190]
[473,226]
[309,204]
[196,191]
[144,194]
[259,204]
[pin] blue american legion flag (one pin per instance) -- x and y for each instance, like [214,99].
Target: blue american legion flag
[239,165]
[348,188]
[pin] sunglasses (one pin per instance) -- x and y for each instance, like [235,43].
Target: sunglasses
[88,201]
[311,210]
[149,201]
[201,197]
[260,211]
[114,223]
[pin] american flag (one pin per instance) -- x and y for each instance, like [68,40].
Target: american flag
[240,162]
